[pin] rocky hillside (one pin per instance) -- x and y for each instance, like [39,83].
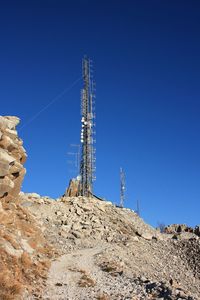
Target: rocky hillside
[107,252]
[84,248]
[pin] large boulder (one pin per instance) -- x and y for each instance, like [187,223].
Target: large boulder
[12,158]
[73,189]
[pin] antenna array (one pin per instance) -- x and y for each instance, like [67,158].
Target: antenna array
[87,162]
[74,160]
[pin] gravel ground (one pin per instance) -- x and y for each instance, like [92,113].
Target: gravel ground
[105,252]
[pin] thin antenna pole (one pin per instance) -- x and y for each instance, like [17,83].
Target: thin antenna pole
[138,208]
[87,162]
[122,187]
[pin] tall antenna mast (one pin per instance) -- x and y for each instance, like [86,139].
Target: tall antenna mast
[87,163]
[122,187]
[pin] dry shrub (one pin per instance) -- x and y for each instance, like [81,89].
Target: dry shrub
[46,264]
[39,271]
[81,271]
[33,244]
[77,270]
[46,250]
[108,269]
[86,281]
[111,267]
[72,269]
[124,230]
[103,297]
[27,228]
[26,260]
[11,240]
[10,277]
[20,273]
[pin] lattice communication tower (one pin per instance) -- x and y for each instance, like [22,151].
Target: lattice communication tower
[87,162]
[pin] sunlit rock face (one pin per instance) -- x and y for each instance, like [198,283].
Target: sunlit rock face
[12,158]
[73,189]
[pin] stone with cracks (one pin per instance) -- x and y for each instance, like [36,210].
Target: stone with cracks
[73,188]
[12,158]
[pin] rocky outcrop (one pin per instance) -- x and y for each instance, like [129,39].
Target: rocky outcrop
[24,252]
[73,188]
[12,158]
[181,229]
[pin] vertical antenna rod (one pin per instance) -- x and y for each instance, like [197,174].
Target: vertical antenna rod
[122,187]
[138,208]
[87,163]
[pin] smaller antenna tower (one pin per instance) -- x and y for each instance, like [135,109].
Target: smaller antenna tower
[122,187]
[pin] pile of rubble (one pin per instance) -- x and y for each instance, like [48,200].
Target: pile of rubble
[84,221]
[189,251]
[128,249]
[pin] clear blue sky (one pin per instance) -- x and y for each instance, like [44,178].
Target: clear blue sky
[147,69]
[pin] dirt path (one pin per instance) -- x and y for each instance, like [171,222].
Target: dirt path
[66,272]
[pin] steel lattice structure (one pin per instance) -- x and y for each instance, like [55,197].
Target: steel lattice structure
[87,163]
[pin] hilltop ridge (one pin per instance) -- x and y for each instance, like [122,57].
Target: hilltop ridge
[83,247]
[113,248]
